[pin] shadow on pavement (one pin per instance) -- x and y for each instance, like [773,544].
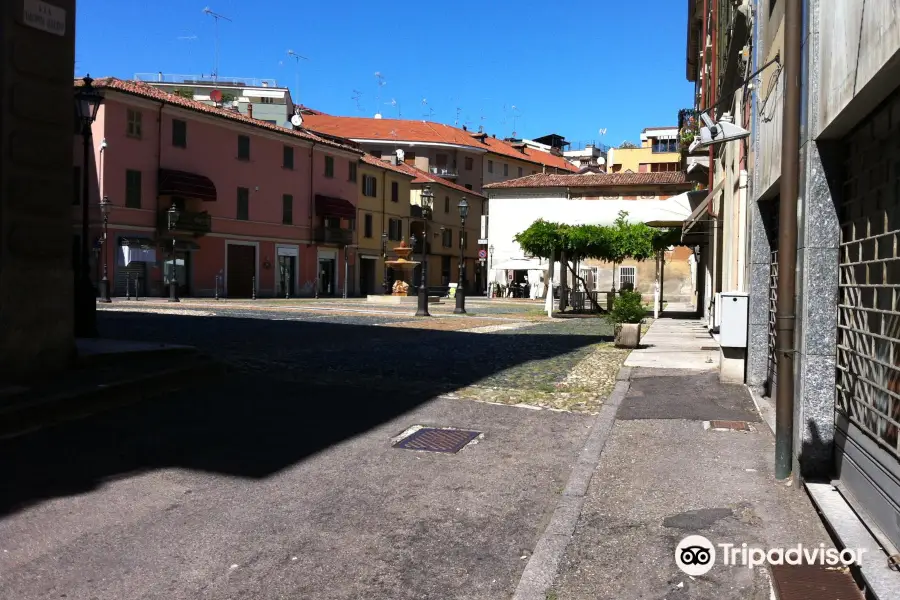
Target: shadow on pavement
[294,388]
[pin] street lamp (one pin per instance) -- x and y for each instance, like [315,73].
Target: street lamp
[427,202]
[105,206]
[384,281]
[461,286]
[491,268]
[173,214]
[87,103]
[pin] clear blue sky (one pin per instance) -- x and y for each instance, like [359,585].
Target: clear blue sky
[567,68]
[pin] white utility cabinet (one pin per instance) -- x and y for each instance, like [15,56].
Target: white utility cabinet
[733,308]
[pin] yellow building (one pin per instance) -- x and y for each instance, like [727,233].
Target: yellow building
[659,152]
[383,213]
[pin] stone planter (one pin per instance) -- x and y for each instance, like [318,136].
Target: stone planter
[628,335]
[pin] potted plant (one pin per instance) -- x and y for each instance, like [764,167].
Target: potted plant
[626,315]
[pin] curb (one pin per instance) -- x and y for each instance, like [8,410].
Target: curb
[56,408]
[543,565]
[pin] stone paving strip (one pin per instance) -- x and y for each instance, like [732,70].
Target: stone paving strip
[583,389]
[495,328]
[447,323]
[193,312]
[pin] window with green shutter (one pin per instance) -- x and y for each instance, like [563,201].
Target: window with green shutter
[243,204]
[243,147]
[132,189]
[179,133]
[329,166]
[287,209]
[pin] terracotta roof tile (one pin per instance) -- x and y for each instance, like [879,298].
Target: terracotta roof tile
[542,180]
[150,92]
[365,128]
[419,175]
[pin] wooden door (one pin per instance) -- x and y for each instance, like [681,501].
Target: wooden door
[241,270]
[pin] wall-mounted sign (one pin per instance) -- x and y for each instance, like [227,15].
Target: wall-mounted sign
[46,17]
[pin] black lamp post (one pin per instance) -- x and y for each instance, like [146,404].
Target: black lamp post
[173,215]
[105,206]
[491,267]
[87,103]
[384,281]
[461,286]
[427,202]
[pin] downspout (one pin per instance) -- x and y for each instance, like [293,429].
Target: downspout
[787,240]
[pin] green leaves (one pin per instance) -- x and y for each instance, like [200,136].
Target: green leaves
[614,243]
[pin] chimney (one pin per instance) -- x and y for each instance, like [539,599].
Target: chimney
[250,110]
[465,128]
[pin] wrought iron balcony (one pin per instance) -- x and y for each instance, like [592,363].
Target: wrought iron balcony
[188,222]
[334,235]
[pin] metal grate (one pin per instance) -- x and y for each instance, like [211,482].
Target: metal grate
[432,439]
[800,582]
[772,232]
[868,353]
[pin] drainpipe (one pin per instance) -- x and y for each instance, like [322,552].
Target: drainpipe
[787,240]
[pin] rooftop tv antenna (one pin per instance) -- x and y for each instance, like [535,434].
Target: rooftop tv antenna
[458,112]
[357,95]
[216,16]
[379,79]
[297,58]
[396,105]
[430,113]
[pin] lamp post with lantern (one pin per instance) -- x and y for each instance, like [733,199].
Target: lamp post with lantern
[384,280]
[461,286]
[173,214]
[491,270]
[427,197]
[105,206]
[87,103]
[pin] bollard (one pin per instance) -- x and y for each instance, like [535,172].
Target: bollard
[253,291]
[137,287]
[127,286]
[217,287]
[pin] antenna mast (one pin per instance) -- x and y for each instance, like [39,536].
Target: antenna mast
[297,58]
[216,16]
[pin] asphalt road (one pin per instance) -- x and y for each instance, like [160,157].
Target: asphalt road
[279,480]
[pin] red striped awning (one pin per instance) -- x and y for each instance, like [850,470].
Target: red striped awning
[187,185]
[326,206]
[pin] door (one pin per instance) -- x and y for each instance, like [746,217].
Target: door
[867,406]
[327,285]
[367,276]
[241,271]
[287,267]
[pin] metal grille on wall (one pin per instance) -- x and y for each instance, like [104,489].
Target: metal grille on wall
[771,217]
[868,351]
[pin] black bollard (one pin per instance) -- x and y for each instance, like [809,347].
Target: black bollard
[217,287]
[253,297]
[127,286]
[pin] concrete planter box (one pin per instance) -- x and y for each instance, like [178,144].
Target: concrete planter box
[628,335]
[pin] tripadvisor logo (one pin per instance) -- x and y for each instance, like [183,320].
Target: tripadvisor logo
[695,555]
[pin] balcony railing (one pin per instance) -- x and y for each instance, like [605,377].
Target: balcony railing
[205,80]
[444,171]
[334,235]
[189,222]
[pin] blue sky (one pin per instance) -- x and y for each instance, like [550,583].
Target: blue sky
[566,68]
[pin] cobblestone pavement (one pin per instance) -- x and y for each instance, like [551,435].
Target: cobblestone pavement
[566,364]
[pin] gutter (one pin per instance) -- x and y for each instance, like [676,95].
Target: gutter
[787,240]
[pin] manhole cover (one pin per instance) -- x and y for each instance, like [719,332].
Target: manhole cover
[434,439]
[730,425]
[799,582]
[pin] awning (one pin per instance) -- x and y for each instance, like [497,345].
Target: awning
[140,243]
[188,185]
[326,206]
[520,264]
[692,220]
[673,211]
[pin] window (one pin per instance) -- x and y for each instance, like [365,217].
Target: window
[446,204]
[76,179]
[266,100]
[134,127]
[376,153]
[505,170]
[332,222]
[329,166]
[409,158]
[490,166]
[395,230]
[351,176]
[462,238]
[179,133]
[663,167]
[132,189]
[287,209]
[469,163]
[243,147]
[287,160]
[447,238]
[468,186]
[627,275]
[521,171]
[665,145]
[395,191]
[369,186]
[367,225]
[243,204]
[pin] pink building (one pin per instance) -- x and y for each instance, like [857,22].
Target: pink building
[259,204]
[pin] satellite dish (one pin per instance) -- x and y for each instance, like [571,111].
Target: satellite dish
[215,96]
[400,154]
[296,120]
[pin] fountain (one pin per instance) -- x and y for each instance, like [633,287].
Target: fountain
[403,268]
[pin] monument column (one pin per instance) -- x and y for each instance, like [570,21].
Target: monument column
[37,55]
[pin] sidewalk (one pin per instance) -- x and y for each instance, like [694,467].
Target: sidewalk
[665,473]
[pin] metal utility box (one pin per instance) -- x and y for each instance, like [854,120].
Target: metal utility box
[733,329]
